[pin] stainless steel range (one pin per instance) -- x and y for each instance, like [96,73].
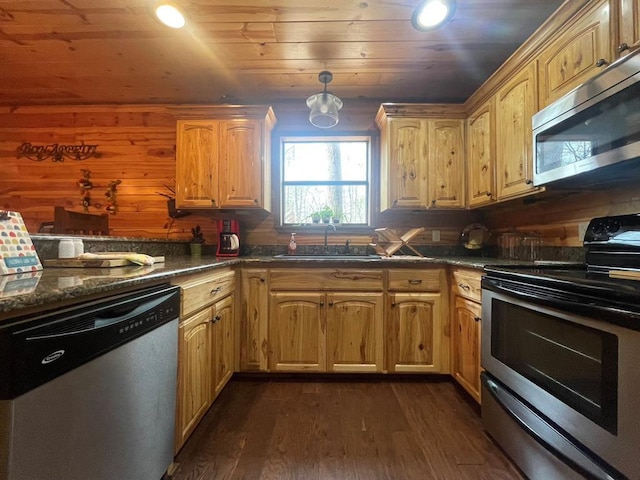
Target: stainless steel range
[561,350]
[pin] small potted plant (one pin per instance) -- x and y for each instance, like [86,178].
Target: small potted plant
[315,217]
[337,216]
[326,213]
[197,241]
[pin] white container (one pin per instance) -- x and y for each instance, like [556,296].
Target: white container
[78,247]
[66,248]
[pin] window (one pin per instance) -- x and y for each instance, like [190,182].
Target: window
[325,179]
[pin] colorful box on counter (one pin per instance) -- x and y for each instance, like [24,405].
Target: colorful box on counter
[17,252]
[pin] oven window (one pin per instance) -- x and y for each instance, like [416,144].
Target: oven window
[574,363]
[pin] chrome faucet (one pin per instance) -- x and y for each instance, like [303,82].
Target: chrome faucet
[326,231]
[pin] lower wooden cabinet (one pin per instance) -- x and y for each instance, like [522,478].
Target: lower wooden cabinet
[320,332]
[206,344]
[415,332]
[194,374]
[466,307]
[222,337]
[354,332]
[297,332]
[254,317]
[467,323]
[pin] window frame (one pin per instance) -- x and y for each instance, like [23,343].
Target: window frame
[278,179]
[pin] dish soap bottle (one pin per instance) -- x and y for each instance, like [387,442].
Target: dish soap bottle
[292,244]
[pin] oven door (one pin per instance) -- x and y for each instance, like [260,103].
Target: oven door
[580,374]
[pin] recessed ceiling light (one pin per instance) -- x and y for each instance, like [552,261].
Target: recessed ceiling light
[432,14]
[170,15]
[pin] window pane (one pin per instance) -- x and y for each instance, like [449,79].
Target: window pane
[325,161]
[349,202]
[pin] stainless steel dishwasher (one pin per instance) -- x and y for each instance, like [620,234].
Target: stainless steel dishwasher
[89,391]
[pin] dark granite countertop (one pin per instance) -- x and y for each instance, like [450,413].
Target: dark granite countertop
[24,292]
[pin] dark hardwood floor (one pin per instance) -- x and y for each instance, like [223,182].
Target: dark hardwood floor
[388,429]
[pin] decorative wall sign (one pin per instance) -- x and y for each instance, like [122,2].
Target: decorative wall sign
[57,152]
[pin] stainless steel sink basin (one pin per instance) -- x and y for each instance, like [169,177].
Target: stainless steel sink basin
[323,256]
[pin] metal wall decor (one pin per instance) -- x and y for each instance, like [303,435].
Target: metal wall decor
[56,152]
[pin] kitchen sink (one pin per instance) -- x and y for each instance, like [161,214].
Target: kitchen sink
[325,256]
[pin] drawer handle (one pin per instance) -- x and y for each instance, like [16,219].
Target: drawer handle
[215,319]
[464,286]
[477,319]
[622,47]
[216,290]
[393,304]
[331,303]
[415,282]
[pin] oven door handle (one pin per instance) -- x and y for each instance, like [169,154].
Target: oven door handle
[546,435]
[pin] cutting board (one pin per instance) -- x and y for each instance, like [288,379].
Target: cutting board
[627,274]
[106,263]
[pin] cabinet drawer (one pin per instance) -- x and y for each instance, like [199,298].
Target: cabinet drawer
[415,280]
[326,279]
[466,283]
[201,290]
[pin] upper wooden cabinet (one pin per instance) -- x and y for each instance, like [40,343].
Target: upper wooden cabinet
[516,102]
[421,156]
[446,163]
[481,156]
[628,26]
[579,52]
[225,162]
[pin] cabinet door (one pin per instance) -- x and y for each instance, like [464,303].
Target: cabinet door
[415,332]
[466,345]
[241,164]
[629,26]
[481,156]
[406,176]
[222,339]
[446,163]
[194,374]
[354,332]
[297,332]
[196,161]
[253,321]
[516,104]
[576,55]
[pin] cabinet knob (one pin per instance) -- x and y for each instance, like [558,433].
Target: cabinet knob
[488,194]
[321,303]
[262,279]
[601,62]
[215,319]
[622,47]
[528,181]
[255,200]
[213,201]
[331,303]
[433,203]
[477,319]
[393,304]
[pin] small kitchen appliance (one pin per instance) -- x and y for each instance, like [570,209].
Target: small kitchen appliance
[228,238]
[560,350]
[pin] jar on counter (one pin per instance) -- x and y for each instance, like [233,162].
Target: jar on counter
[78,247]
[66,248]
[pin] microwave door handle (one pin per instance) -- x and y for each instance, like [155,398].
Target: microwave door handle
[546,435]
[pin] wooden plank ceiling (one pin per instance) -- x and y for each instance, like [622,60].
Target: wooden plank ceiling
[243,51]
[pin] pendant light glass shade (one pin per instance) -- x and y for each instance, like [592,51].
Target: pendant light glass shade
[324,106]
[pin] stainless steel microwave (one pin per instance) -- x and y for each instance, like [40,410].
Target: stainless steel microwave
[595,125]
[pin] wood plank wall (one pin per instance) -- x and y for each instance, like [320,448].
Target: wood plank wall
[137,145]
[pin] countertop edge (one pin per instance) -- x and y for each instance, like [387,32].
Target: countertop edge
[55,285]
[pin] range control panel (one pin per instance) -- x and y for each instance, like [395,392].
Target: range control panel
[620,230]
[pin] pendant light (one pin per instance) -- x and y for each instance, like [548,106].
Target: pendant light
[324,106]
